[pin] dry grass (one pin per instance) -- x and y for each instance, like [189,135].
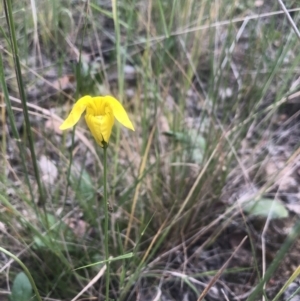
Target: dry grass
[212,89]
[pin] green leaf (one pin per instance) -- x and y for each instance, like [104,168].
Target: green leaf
[21,289]
[266,207]
[84,184]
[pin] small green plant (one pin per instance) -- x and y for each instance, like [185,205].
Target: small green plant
[21,289]
[265,207]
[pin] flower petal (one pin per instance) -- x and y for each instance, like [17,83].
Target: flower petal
[107,122]
[117,109]
[94,124]
[100,127]
[78,108]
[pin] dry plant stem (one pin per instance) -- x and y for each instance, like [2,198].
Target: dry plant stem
[136,193]
[218,274]
[106,223]
[192,29]
[90,284]
[26,271]
[294,26]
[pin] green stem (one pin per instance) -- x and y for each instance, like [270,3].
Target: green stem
[14,46]
[120,82]
[26,271]
[77,92]
[106,223]
[15,130]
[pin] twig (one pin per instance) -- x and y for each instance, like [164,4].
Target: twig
[91,283]
[217,276]
[289,18]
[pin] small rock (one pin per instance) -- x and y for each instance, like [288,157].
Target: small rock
[48,169]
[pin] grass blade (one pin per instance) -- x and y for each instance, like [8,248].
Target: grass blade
[276,262]
[10,23]
[14,128]
[26,271]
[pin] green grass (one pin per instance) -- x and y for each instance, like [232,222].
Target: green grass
[183,70]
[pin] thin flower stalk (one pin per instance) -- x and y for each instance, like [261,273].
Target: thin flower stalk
[101,112]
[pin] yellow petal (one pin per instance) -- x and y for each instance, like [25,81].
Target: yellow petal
[107,122]
[117,109]
[100,127]
[95,127]
[76,112]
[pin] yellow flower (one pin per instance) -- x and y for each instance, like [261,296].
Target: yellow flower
[101,112]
